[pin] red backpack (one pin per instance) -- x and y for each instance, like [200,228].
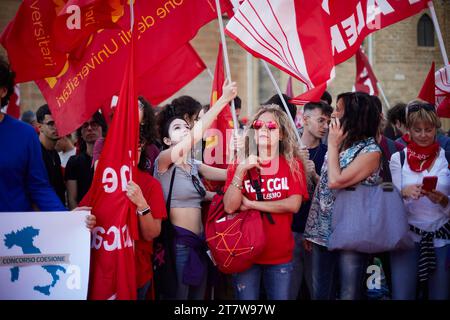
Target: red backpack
[235,241]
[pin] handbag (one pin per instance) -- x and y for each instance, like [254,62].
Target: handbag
[370,219]
[236,241]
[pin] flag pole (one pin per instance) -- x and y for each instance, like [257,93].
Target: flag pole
[227,63]
[275,84]
[438,32]
[384,97]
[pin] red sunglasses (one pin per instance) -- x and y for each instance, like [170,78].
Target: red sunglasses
[258,124]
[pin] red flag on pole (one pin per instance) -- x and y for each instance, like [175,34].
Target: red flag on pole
[442,91]
[307,38]
[13,107]
[219,133]
[112,274]
[74,95]
[365,77]
[427,93]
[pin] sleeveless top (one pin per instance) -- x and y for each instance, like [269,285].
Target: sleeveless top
[184,193]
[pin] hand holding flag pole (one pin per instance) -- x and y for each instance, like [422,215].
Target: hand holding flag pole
[227,63]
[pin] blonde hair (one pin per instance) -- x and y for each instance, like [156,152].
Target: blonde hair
[422,115]
[288,146]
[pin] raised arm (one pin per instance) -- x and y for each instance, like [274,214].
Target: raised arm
[181,149]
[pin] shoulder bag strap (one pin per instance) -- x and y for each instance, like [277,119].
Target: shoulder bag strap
[169,196]
[255,179]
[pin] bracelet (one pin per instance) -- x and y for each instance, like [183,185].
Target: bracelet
[237,177]
[236,185]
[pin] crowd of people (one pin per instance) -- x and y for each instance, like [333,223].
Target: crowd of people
[341,146]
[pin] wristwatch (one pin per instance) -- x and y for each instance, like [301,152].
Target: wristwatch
[143,212]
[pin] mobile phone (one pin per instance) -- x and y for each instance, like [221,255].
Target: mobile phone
[429,183]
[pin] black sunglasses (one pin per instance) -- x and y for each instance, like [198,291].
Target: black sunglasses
[201,191]
[418,106]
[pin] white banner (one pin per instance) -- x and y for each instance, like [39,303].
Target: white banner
[44,255]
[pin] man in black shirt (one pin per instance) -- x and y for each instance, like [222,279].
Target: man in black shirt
[79,169]
[48,136]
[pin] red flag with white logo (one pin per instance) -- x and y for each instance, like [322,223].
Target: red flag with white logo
[112,273]
[365,77]
[307,38]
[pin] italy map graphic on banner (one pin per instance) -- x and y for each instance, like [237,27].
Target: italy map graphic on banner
[44,256]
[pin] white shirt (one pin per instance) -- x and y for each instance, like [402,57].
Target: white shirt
[65,156]
[422,213]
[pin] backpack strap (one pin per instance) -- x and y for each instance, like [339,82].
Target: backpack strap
[255,179]
[391,147]
[169,197]
[402,157]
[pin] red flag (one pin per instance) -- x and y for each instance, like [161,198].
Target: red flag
[307,38]
[312,95]
[112,268]
[289,90]
[219,133]
[29,41]
[13,107]
[427,93]
[74,95]
[80,19]
[442,91]
[171,74]
[365,77]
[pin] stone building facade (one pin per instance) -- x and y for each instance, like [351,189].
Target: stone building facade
[398,60]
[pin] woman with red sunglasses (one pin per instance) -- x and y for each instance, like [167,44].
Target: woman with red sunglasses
[283,186]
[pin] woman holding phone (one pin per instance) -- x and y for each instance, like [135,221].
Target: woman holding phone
[424,180]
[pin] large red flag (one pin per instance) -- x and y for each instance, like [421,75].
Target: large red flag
[219,133]
[112,273]
[442,91]
[29,41]
[427,93]
[365,77]
[75,94]
[307,38]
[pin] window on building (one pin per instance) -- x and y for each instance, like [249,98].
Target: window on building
[425,32]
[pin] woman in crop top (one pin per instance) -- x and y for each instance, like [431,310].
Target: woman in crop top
[187,192]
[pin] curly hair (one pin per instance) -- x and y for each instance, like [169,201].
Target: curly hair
[361,118]
[6,81]
[288,146]
[164,118]
[186,105]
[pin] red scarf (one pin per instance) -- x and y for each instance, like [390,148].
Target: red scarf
[420,158]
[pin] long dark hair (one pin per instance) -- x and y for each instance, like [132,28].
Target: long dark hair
[147,131]
[6,81]
[361,118]
[97,117]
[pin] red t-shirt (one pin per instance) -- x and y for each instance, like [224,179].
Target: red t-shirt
[276,185]
[153,193]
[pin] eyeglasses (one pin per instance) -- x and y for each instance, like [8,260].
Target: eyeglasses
[201,191]
[321,121]
[50,123]
[258,124]
[92,124]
